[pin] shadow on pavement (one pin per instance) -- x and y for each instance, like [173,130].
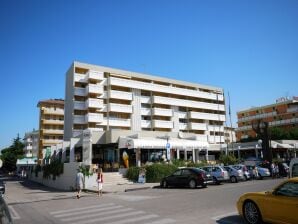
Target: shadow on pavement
[232,219]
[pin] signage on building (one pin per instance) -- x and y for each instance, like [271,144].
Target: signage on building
[168,147]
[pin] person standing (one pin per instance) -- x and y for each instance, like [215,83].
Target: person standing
[99,181]
[79,183]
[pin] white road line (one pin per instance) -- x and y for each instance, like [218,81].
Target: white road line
[13,213]
[162,221]
[111,217]
[80,209]
[134,219]
[87,211]
[97,214]
[224,215]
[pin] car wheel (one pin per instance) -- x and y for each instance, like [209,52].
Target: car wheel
[192,184]
[164,184]
[215,181]
[204,185]
[251,213]
[233,179]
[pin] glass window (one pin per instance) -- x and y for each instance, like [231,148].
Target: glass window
[186,172]
[177,173]
[295,170]
[289,189]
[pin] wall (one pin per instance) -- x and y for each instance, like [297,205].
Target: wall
[66,181]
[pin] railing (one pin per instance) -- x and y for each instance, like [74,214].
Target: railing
[162,124]
[94,117]
[162,112]
[146,124]
[120,95]
[122,108]
[207,116]
[197,126]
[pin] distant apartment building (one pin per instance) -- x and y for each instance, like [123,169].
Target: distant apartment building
[230,135]
[282,114]
[51,124]
[31,142]
[113,110]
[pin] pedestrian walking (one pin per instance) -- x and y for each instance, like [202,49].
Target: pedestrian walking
[99,181]
[79,183]
[255,172]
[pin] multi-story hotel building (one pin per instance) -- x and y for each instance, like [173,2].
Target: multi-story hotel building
[111,109]
[283,114]
[51,124]
[31,141]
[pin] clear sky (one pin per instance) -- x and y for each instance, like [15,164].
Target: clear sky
[249,48]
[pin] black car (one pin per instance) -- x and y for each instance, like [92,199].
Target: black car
[191,177]
[5,216]
[2,187]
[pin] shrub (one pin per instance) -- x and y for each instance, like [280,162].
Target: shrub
[55,168]
[157,171]
[228,159]
[133,173]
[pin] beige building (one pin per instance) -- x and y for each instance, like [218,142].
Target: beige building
[51,124]
[114,111]
[31,143]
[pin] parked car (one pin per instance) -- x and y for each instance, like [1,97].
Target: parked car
[5,216]
[294,168]
[244,169]
[283,169]
[262,172]
[277,206]
[218,173]
[2,187]
[191,177]
[235,175]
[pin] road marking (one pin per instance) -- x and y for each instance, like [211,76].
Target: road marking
[162,221]
[13,213]
[80,209]
[96,214]
[134,219]
[135,213]
[88,211]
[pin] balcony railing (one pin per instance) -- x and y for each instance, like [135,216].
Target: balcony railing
[94,103]
[79,105]
[79,119]
[120,95]
[146,99]
[146,124]
[79,91]
[94,88]
[207,116]
[95,75]
[56,122]
[53,131]
[258,116]
[94,117]
[145,112]
[118,122]
[217,128]
[57,111]
[162,112]
[183,126]
[121,108]
[80,78]
[162,124]
[197,126]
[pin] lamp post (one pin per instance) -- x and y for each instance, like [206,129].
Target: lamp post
[168,148]
[261,128]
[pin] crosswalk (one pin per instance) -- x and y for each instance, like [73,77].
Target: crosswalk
[108,213]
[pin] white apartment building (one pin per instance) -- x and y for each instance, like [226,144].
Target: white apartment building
[110,113]
[31,141]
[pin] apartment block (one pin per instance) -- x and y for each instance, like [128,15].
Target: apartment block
[51,124]
[31,142]
[283,114]
[117,104]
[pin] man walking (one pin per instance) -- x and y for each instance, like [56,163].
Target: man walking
[79,183]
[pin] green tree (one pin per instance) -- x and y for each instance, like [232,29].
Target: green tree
[228,159]
[10,155]
[293,134]
[277,133]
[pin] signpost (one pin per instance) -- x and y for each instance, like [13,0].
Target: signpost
[168,147]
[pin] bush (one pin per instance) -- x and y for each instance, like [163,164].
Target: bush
[55,168]
[133,173]
[157,171]
[228,159]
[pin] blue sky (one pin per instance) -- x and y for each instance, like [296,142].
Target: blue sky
[249,48]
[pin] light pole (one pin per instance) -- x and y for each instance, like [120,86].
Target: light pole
[261,128]
[168,148]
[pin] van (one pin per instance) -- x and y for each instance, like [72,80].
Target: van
[294,168]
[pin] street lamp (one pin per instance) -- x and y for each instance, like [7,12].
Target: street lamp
[168,148]
[261,128]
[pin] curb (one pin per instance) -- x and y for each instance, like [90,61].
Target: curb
[136,189]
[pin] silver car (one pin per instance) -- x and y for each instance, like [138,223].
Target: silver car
[262,172]
[218,173]
[244,169]
[235,175]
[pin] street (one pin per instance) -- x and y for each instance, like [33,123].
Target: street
[33,203]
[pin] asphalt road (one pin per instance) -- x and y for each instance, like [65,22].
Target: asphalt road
[33,203]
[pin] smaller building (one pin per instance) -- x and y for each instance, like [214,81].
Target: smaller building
[283,114]
[31,141]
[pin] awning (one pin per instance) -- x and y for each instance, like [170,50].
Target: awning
[27,161]
[158,143]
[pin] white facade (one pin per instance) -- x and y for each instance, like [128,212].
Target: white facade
[31,141]
[103,99]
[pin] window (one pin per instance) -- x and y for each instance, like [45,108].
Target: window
[186,172]
[289,189]
[177,173]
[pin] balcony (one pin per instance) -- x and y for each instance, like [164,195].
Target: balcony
[207,116]
[145,111]
[187,103]
[216,139]
[182,115]
[94,103]
[216,128]
[292,109]
[118,122]
[80,78]
[197,126]
[258,116]
[120,95]
[95,75]
[94,88]
[79,119]
[48,142]
[146,124]
[94,117]
[52,131]
[121,108]
[28,147]
[57,111]
[162,112]
[77,132]
[79,105]
[55,122]
[162,124]
[146,99]
[79,91]
[202,138]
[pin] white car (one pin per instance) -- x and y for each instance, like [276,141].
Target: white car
[218,173]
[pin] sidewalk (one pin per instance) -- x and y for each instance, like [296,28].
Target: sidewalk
[109,188]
